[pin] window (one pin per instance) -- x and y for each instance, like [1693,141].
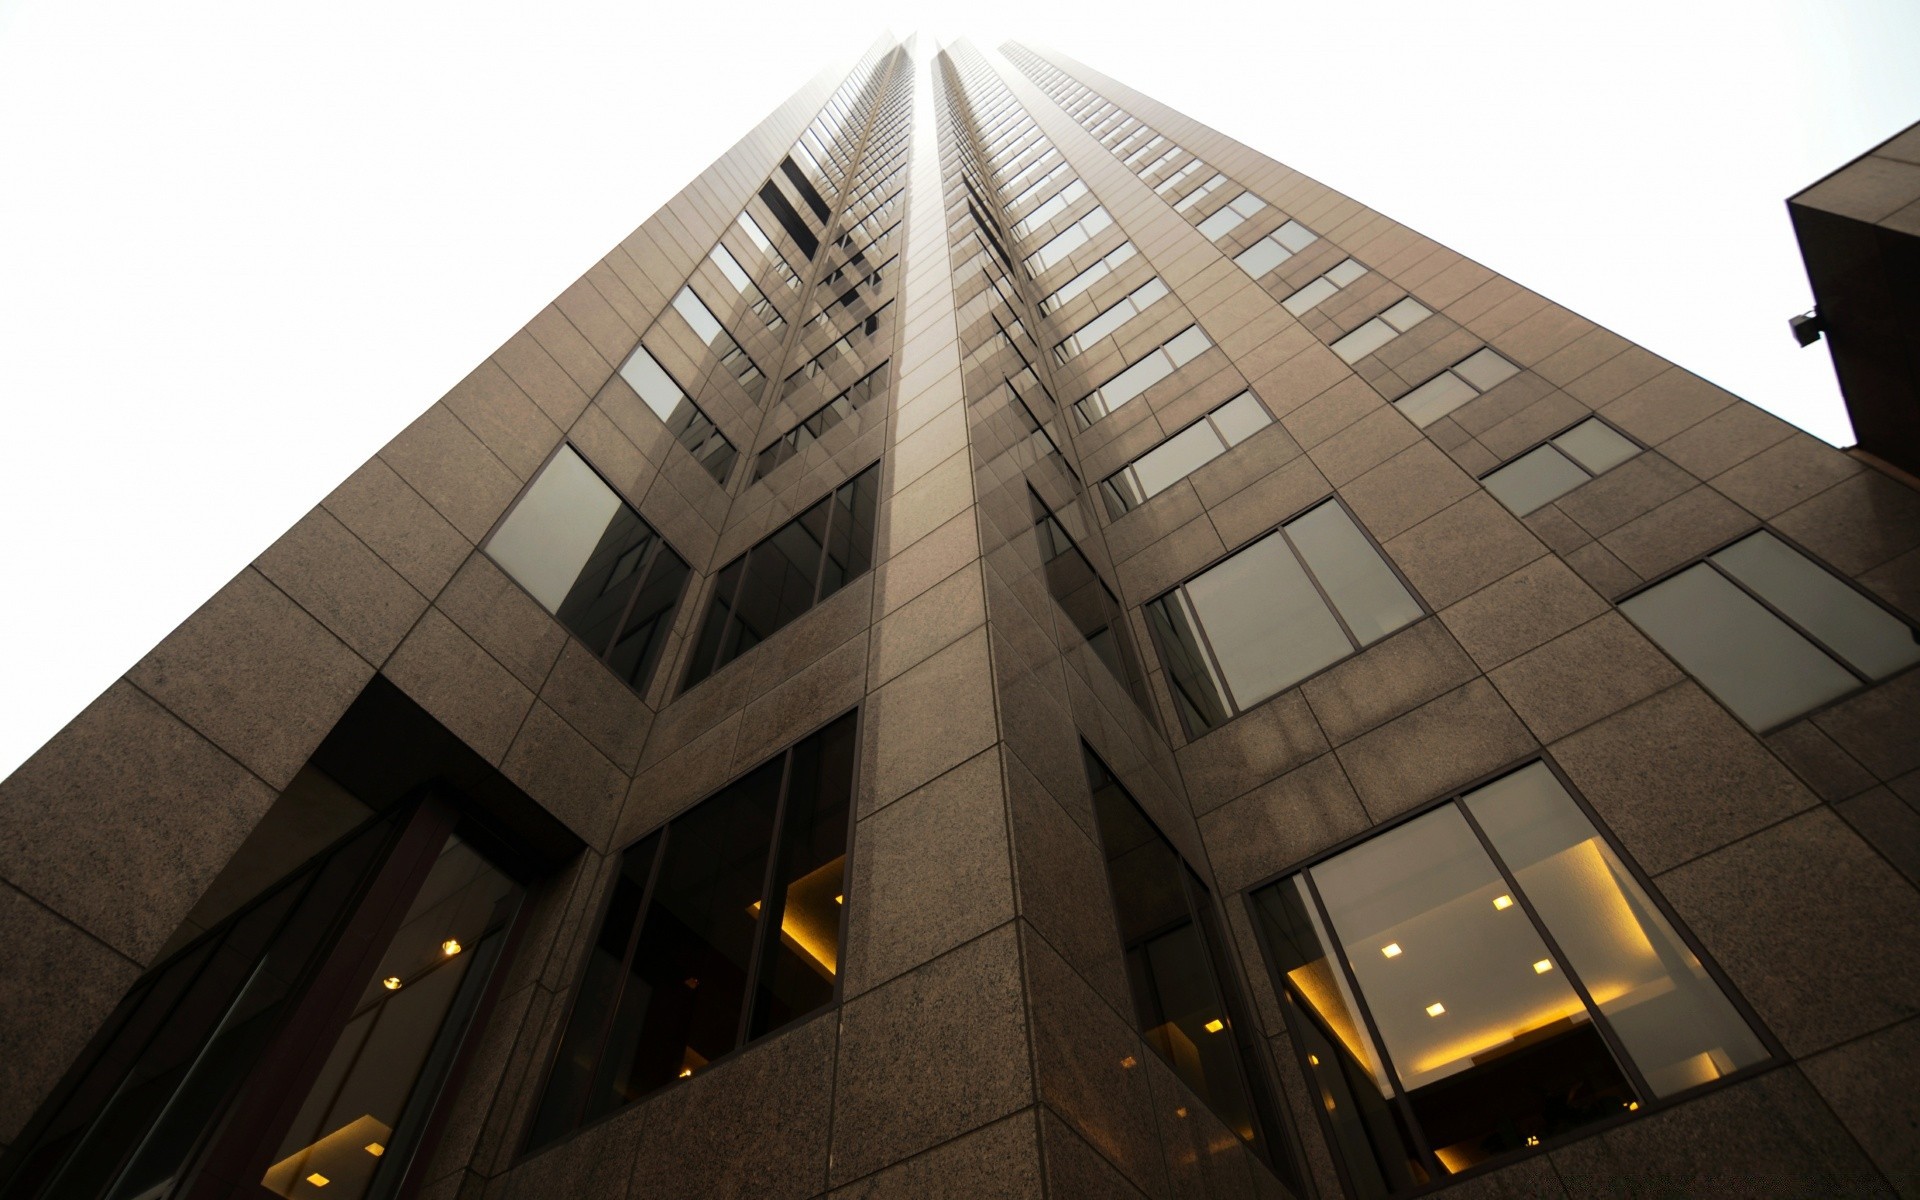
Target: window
[1179,177]
[723,927]
[1456,385]
[1192,199]
[756,300]
[589,559]
[1770,632]
[1087,278]
[807,432]
[1275,248]
[1301,598]
[1382,329]
[1087,601]
[1228,219]
[1484,978]
[1051,209]
[1312,295]
[1184,453]
[693,429]
[1127,308]
[1187,345]
[708,329]
[794,568]
[1563,463]
[1068,240]
[1186,998]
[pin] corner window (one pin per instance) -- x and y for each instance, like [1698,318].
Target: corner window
[708,329]
[811,430]
[1275,248]
[1382,329]
[1483,979]
[1562,464]
[723,927]
[1092,608]
[591,561]
[796,567]
[1184,453]
[693,429]
[1300,599]
[1771,633]
[1472,375]
[1186,998]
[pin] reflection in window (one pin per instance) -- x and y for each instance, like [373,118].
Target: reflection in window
[1275,248]
[1316,293]
[1059,203]
[1190,343]
[1184,453]
[1456,385]
[1771,633]
[1192,199]
[1230,218]
[1566,461]
[1299,599]
[1382,329]
[1068,240]
[1087,278]
[1088,603]
[1486,978]
[1186,997]
[708,329]
[830,414]
[1123,310]
[692,428]
[697,955]
[591,561]
[796,567]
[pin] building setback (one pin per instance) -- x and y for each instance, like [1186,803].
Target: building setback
[1006,644]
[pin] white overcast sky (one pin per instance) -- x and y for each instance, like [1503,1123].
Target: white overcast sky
[243,244]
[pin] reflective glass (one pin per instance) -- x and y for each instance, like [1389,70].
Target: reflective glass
[646,376]
[1176,458]
[1187,345]
[1247,204]
[552,534]
[1435,398]
[1362,587]
[1406,314]
[1485,368]
[1345,273]
[1596,446]
[1266,624]
[1239,418]
[1309,296]
[1128,384]
[1294,236]
[1533,479]
[705,325]
[1220,224]
[1261,257]
[1673,1019]
[1752,660]
[1875,641]
[1364,340]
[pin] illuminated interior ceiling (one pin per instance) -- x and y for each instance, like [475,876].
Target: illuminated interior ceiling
[810,926]
[345,1158]
[1316,983]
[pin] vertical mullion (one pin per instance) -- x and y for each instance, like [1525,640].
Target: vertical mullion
[1207,656]
[770,913]
[1790,623]
[1216,960]
[626,969]
[1306,569]
[648,557]
[826,546]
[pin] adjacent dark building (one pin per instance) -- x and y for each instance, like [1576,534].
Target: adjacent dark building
[1006,644]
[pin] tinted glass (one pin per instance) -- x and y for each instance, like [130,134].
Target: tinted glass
[1671,1016]
[1187,345]
[1221,223]
[1752,660]
[1358,581]
[1485,368]
[1364,340]
[1345,273]
[1239,418]
[1261,257]
[648,620]
[645,375]
[1533,479]
[546,542]
[1267,625]
[1406,314]
[1199,693]
[1875,641]
[1435,398]
[1596,446]
[1309,296]
[1294,236]
[1176,458]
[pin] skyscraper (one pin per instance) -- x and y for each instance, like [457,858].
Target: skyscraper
[1006,644]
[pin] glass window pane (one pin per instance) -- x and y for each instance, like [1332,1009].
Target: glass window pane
[1346,272]
[1131,382]
[1220,224]
[655,386]
[1295,236]
[1484,368]
[1752,660]
[1365,590]
[1493,1046]
[1596,446]
[1435,398]
[1240,418]
[1247,204]
[1860,631]
[1669,1014]
[1200,695]
[705,325]
[1364,340]
[645,630]
[1177,457]
[1406,314]
[1261,257]
[1533,479]
[1267,625]
[781,573]
[547,540]
[1309,296]
[1187,345]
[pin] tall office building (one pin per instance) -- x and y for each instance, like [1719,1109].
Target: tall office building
[1007,644]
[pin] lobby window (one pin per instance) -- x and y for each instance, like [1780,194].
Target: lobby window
[1092,608]
[708,329]
[1486,978]
[1472,375]
[591,561]
[693,429]
[1770,632]
[1187,1000]
[1123,310]
[1559,465]
[1274,249]
[1230,218]
[723,926]
[1068,240]
[796,567]
[1087,278]
[1327,285]
[1185,346]
[1184,453]
[1300,599]
[1382,329]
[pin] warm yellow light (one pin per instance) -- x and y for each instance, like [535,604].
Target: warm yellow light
[1215,1025]
[1633,1106]
[1129,1062]
[450,947]
[1503,902]
[318,1180]
[1313,1060]
[1180,1112]
[1543,966]
[1391,949]
[391,983]
[1533,1140]
[376,1149]
[686,1072]
[839,899]
[1436,1008]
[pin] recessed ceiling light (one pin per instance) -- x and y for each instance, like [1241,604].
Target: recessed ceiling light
[1313,1060]
[686,1072]
[1391,949]
[1503,902]
[450,947]
[391,983]
[1436,1008]
[1543,966]
[318,1180]
[1129,1062]
[1215,1025]
[376,1149]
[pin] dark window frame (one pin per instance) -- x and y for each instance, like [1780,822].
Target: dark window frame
[1511,459]
[1204,418]
[1777,1053]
